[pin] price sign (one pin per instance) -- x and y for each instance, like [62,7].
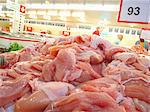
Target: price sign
[22,9]
[134,11]
[145,34]
[18,16]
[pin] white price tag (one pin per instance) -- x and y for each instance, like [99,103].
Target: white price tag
[145,34]
[134,11]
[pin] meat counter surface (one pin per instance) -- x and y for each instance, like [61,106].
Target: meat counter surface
[73,75]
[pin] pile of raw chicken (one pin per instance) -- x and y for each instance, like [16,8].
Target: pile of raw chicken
[79,74]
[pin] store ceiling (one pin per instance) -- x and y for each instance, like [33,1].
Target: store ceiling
[92,17]
[73,1]
[68,1]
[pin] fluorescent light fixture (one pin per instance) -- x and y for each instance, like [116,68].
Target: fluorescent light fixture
[41,12]
[52,13]
[94,7]
[78,14]
[65,13]
[47,17]
[32,16]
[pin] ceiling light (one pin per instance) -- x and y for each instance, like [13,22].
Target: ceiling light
[65,13]
[52,13]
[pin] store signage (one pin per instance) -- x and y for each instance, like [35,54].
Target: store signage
[19,15]
[29,29]
[22,9]
[18,23]
[66,33]
[134,11]
[145,34]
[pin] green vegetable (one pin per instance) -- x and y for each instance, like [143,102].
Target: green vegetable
[14,47]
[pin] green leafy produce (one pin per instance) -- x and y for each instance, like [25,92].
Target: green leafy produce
[14,47]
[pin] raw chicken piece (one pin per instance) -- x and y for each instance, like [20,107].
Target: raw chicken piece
[61,87]
[11,90]
[36,102]
[84,40]
[11,59]
[48,71]
[135,105]
[129,105]
[98,42]
[120,71]
[12,73]
[45,49]
[91,57]
[79,39]
[85,101]
[113,50]
[63,41]
[34,68]
[126,57]
[45,94]
[37,65]
[141,105]
[107,85]
[23,67]
[62,68]
[137,88]
[97,68]
[65,61]
[143,64]
[55,49]
[87,72]
[25,55]
[26,67]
